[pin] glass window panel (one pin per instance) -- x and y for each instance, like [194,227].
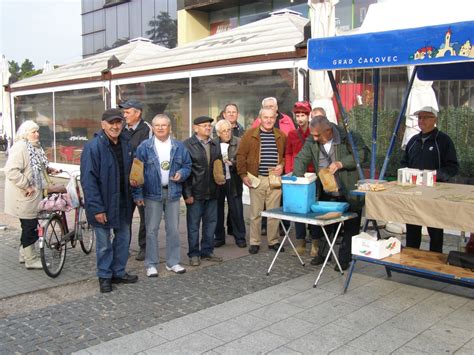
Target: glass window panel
[148,18]
[78,114]
[123,22]
[223,20]
[88,23]
[88,44]
[254,12]
[39,108]
[360,10]
[87,5]
[170,97]
[135,24]
[99,41]
[161,6]
[98,4]
[99,20]
[344,15]
[110,26]
[172,9]
[246,90]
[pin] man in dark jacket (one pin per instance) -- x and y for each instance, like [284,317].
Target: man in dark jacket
[137,130]
[105,168]
[431,149]
[329,148]
[200,192]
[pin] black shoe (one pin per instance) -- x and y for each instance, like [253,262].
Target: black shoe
[317,260]
[125,279]
[282,232]
[264,231]
[141,255]
[105,285]
[218,243]
[275,247]
[241,244]
[344,266]
[254,249]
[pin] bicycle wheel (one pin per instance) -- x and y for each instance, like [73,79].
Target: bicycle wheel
[53,246]
[85,233]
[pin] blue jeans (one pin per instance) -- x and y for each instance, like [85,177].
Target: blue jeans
[154,211]
[300,229]
[112,251]
[201,212]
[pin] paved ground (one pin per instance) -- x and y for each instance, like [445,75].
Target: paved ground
[232,307]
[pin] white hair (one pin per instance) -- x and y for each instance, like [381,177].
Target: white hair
[271,98]
[220,124]
[161,116]
[25,128]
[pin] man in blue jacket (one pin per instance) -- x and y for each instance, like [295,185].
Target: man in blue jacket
[105,168]
[167,164]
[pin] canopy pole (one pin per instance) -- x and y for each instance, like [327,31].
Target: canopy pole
[376,82]
[397,125]
[345,120]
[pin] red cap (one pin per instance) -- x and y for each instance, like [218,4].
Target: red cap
[302,107]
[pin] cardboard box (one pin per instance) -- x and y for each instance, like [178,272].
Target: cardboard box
[408,176]
[299,193]
[429,178]
[367,245]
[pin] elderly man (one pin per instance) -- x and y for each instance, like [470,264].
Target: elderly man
[231,114]
[329,148]
[105,168]
[232,189]
[431,149]
[262,151]
[200,192]
[167,165]
[283,122]
[137,130]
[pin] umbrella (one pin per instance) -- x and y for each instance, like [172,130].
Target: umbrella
[323,24]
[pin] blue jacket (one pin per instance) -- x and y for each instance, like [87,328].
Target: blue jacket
[180,162]
[100,180]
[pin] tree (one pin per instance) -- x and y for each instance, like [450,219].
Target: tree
[14,70]
[163,30]
[26,70]
[27,66]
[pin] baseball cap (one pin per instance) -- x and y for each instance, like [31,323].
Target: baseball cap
[132,104]
[112,114]
[429,109]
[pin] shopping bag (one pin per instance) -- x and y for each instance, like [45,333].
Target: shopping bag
[72,192]
[137,172]
[274,180]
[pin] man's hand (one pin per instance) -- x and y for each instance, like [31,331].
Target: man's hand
[101,218]
[247,182]
[189,200]
[53,171]
[140,202]
[278,170]
[30,190]
[133,183]
[335,167]
[176,177]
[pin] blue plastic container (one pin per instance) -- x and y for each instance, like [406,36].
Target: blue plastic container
[298,193]
[322,207]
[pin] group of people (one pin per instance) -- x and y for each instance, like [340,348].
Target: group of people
[206,169]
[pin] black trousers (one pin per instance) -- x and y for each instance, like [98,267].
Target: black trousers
[235,213]
[414,237]
[142,229]
[29,231]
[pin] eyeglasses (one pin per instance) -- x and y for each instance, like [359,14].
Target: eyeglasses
[225,130]
[204,125]
[161,125]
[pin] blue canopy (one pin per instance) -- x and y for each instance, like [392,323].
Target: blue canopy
[448,43]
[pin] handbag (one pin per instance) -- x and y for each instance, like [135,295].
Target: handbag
[52,188]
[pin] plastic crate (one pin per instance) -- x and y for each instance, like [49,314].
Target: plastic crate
[298,193]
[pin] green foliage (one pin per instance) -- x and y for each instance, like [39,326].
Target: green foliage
[457,122]
[163,30]
[26,70]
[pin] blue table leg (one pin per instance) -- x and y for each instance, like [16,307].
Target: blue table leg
[348,279]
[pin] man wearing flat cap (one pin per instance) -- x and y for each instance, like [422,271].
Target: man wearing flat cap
[137,130]
[105,168]
[200,192]
[430,149]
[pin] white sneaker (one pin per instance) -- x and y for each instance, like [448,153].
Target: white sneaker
[176,268]
[151,271]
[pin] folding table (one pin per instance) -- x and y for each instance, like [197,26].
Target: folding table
[308,218]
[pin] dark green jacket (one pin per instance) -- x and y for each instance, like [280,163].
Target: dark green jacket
[348,175]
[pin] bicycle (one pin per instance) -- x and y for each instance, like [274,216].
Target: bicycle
[54,234]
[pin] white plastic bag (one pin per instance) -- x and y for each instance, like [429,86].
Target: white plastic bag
[72,191]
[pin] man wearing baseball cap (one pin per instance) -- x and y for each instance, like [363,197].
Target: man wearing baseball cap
[137,130]
[105,168]
[430,149]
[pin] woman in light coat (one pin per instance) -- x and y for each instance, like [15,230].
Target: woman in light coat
[24,182]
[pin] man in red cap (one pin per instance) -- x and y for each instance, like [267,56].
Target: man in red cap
[294,143]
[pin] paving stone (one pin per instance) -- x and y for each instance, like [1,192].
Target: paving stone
[138,341]
[349,350]
[326,312]
[283,350]
[259,342]
[291,328]
[276,311]
[194,343]
[366,318]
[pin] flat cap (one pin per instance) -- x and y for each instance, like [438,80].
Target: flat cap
[112,114]
[132,104]
[202,119]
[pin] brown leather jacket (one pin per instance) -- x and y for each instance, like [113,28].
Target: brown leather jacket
[248,154]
